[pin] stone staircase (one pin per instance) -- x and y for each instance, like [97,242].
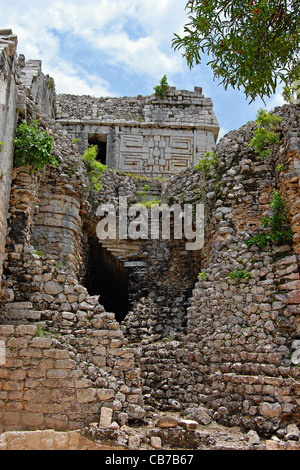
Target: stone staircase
[20,313]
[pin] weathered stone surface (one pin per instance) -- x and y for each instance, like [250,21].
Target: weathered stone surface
[296,357]
[105,394]
[292,432]
[135,412]
[270,410]
[188,424]
[167,422]
[200,415]
[155,442]
[105,417]
[53,288]
[253,438]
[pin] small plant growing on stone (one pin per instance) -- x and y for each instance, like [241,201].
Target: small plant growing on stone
[150,203]
[41,332]
[277,225]
[239,274]
[1,145]
[33,146]
[203,276]
[163,88]
[94,168]
[266,133]
[38,253]
[280,168]
[207,163]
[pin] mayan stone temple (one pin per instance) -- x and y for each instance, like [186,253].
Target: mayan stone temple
[144,135]
[140,343]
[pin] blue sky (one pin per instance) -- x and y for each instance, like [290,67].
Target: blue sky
[118,48]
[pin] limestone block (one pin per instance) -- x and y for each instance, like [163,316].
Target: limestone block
[270,410]
[105,394]
[167,422]
[155,442]
[105,417]
[53,288]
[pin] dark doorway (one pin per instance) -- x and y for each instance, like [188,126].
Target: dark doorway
[101,141]
[107,277]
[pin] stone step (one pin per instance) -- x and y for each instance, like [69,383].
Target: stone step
[21,312]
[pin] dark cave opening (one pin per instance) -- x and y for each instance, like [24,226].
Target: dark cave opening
[107,277]
[101,142]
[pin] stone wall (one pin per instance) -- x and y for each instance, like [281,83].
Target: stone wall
[66,358]
[47,440]
[8,120]
[144,135]
[239,356]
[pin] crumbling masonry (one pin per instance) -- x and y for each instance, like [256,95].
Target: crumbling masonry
[174,340]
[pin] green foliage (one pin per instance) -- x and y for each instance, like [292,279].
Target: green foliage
[94,168]
[278,231]
[207,163]
[40,332]
[288,93]
[237,274]
[143,193]
[280,167]
[266,133]
[291,92]
[1,145]
[251,45]
[33,146]
[163,88]
[203,276]
[148,204]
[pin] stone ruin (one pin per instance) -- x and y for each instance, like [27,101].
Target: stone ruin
[118,330]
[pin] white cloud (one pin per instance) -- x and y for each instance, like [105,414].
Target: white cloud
[68,80]
[104,27]
[276,100]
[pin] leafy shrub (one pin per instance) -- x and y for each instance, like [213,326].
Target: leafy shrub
[163,88]
[202,276]
[266,133]
[150,203]
[207,163]
[94,168]
[277,225]
[237,274]
[33,146]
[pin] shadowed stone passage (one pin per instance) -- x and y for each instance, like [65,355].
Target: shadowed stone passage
[107,277]
[101,142]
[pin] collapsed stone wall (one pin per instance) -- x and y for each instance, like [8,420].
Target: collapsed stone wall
[8,121]
[66,359]
[239,356]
